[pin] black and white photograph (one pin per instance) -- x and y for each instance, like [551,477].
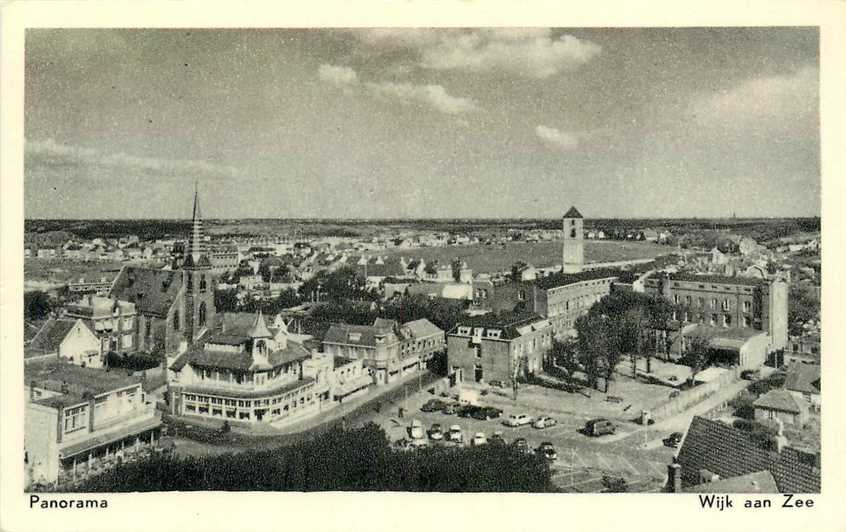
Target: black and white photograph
[518,259]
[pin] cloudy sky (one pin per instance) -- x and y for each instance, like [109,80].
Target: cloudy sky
[422,123]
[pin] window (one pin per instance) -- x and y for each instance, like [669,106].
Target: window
[147,328]
[75,419]
[713,321]
[701,302]
[176,320]
[747,321]
[727,320]
[726,304]
[713,303]
[201,314]
[676,299]
[203,283]
[190,283]
[747,306]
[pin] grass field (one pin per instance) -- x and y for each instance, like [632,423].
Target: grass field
[482,258]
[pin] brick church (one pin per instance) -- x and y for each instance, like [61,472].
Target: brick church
[173,306]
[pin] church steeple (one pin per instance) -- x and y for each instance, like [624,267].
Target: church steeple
[195,251]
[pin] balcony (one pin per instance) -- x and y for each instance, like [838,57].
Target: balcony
[136,414]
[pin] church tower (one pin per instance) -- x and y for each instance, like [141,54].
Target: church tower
[197,279]
[574,242]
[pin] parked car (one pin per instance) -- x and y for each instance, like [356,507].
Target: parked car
[485,413]
[416,430]
[673,440]
[433,405]
[599,427]
[521,445]
[454,434]
[544,422]
[547,450]
[436,433]
[496,439]
[518,420]
[497,384]
[449,409]
[467,410]
[750,374]
[614,399]
[478,439]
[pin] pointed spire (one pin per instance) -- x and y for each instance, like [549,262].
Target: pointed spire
[259,328]
[197,214]
[195,240]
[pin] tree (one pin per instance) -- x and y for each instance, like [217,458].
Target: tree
[696,355]
[226,300]
[802,305]
[592,344]
[37,305]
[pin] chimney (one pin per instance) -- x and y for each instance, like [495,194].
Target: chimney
[674,484]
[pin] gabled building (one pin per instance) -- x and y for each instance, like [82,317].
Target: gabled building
[803,381]
[68,339]
[113,321]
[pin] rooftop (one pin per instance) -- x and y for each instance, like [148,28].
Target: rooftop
[80,382]
[781,400]
[573,213]
[803,378]
[241,361]
[153,291]
[730,452]
[563,279]
[51,335]
[717,279]
[759,482]
[508,322]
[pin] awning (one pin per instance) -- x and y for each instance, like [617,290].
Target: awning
[110,437]
[348,387]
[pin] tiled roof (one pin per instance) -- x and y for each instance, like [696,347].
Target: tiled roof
[781,400]
[51,335]
[573,213]
[729,452]
[563,279]
[803,378]
[508,323]
[241,361]
[716,279]
[421,328]
[31,328]
[153,291]
[363,335]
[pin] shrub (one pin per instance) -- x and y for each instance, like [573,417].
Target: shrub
[743,406]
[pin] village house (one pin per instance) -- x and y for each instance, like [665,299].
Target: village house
[80,421]
[803,382]
[782,405]
[68,339]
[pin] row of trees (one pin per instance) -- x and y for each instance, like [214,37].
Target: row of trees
[622,324]
[344,460]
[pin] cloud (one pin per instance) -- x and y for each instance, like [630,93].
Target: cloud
[339,75]
[51,154]
[434,96]
[767,103]
[554,138]
[526,52]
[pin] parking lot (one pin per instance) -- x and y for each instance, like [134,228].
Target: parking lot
[582,460]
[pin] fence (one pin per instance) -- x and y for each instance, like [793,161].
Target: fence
[688,398]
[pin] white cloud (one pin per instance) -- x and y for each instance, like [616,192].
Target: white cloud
[527,52]
[774,102]
[339,75]
[434,96]
[557,139]
[49,153]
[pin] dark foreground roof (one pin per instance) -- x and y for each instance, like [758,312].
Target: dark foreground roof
[729,452]
[563,279]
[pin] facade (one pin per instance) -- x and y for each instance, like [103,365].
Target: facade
[499,347]
[80,421]
[728,302]
[69,339]
[574,242]
[744,348]
[561,298]
[112,320]
[224,258]
[804,349]
[247,376]
[86,286]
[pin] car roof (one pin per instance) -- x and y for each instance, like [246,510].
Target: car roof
[455,427]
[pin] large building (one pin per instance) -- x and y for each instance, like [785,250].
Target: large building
[247,374]
[727,302]
[389,350]
[80,421]
[499,347]
[173,306]
[574,242]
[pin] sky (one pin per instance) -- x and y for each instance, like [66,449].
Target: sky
[422,123]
